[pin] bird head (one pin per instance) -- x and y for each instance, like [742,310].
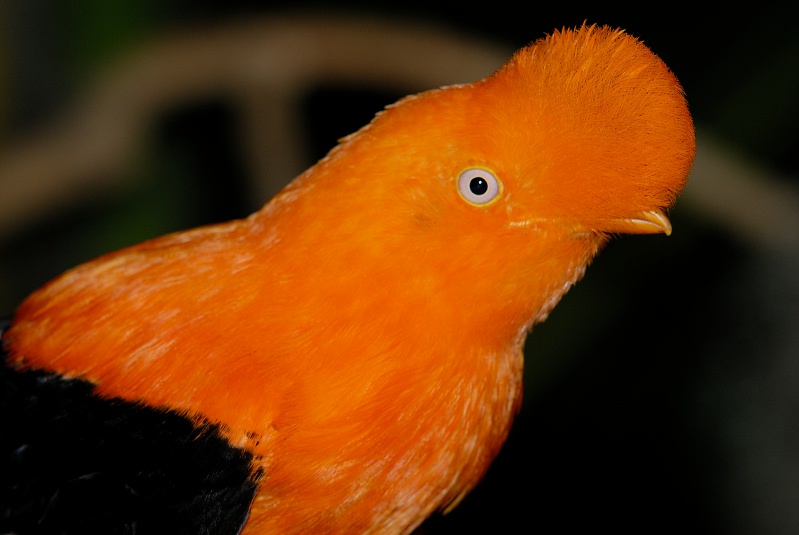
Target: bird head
[498,186]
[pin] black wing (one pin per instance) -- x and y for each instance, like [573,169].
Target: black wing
[72,462]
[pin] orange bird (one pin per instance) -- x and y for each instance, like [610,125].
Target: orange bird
[353,350]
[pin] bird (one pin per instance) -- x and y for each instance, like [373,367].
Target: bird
[348,358]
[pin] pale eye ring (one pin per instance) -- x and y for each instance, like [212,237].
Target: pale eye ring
[478,185]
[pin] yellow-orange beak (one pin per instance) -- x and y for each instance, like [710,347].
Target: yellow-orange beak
[649,222]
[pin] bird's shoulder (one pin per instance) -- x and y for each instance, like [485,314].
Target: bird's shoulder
[73,462]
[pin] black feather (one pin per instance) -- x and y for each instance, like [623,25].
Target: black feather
[73,462]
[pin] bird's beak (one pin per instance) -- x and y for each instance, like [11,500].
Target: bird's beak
[649,222]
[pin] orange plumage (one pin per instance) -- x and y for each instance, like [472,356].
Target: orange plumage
[362,333]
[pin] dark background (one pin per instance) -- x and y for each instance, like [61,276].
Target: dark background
[661,394]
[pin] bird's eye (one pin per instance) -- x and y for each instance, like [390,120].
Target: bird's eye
[478,186]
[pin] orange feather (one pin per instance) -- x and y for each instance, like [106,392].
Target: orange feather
[363,332]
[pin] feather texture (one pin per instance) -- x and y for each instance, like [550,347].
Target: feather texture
[361,335]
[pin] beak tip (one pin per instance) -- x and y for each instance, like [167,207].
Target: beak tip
[659,220]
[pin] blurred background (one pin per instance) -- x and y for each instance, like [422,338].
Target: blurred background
[661,395]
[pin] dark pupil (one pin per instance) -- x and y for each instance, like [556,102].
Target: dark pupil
[478,186]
